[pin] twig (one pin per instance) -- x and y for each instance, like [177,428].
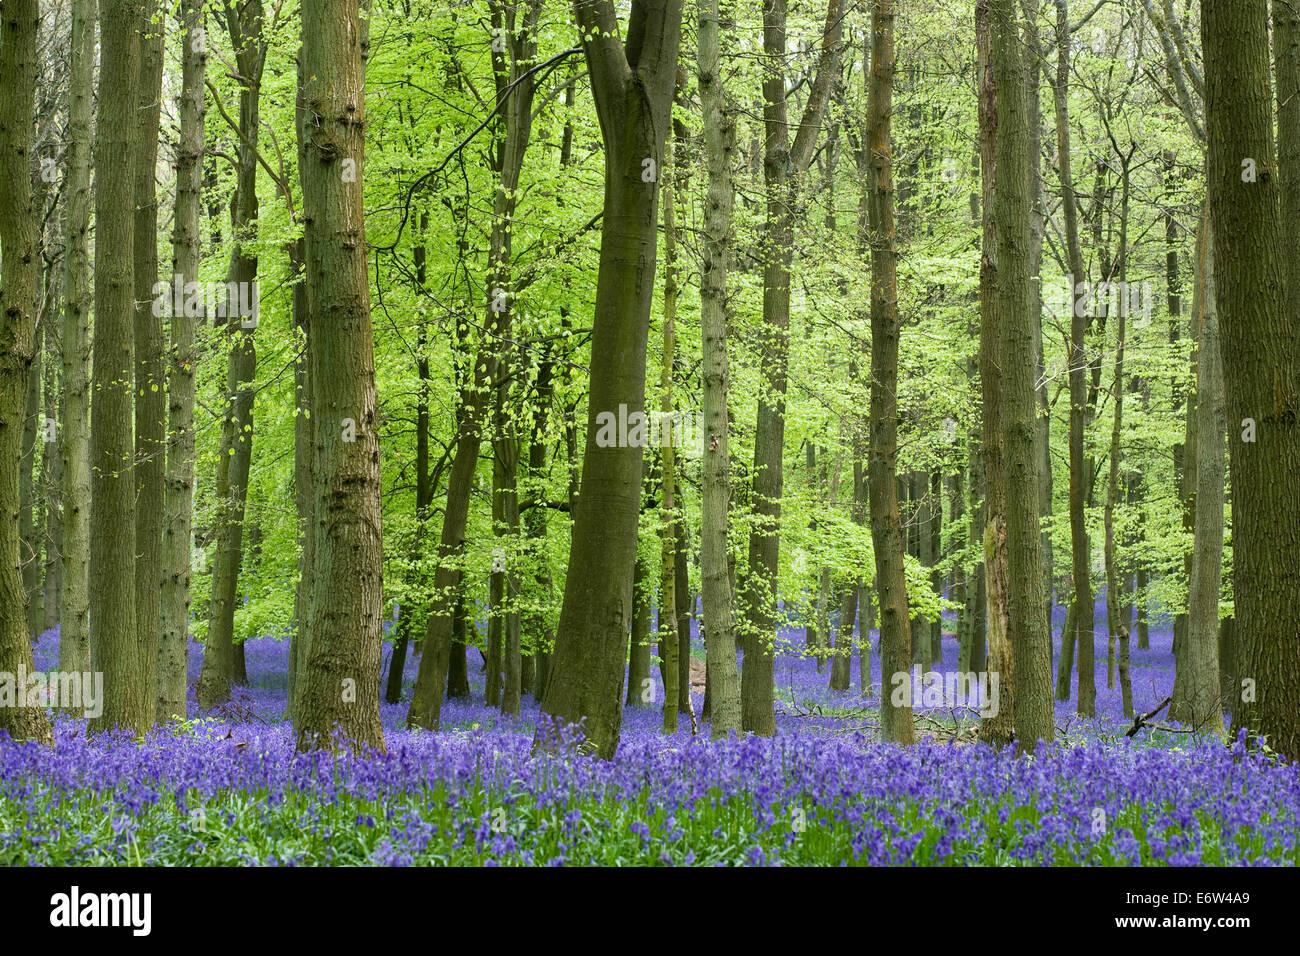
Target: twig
[1140,720]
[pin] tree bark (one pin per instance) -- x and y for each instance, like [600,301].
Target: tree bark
[633,88]
[669,643]
[998,729]
[1261,359]
[234,459]
[19,276]
[723,679]
[1080,550]
[1030,637]
[341,693]
[74,444]
[784,164]
[112,511]
[882,480]
[150,363]
[510,65]
[1201,704]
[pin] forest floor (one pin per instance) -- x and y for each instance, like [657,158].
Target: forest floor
[227,787]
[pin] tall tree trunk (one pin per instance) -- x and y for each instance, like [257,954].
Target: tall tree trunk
[638,668]
[1200,707]
[936,555]
[74,444]
[1117,620]
[1034,71]
[423,482]
[997,728]
[882,480]
[723,679]
[112,508]
[1081,558]
[536,622]
[511,67]
[150,362]
[304,452]
[633,90]
[31,546]
[1261,357]
[783,166]
[178,519]
[1031,643]
[341,692]
[234,459]
[669,645]
[19,236]
[842,654]
[51,478]
[304,444]
[684,601]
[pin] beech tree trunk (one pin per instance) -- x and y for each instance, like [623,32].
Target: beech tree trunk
[998,728]
[1030,637]
[784,163]
[1201,705]
[20,275]
[1080,549]
[882,477]
[178,519]
[150,359]
[221,659]
[113,648]
[633,88]
[723,678]
[510,65]
[341,689]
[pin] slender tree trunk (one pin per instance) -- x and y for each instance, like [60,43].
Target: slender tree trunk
[1034,72]
[178,519]
[19,236]
[882,482]
[783,166]
[1201,705]
[842,659]
[51,481]
[633,89]
[997,728]
[510,68]
[936,555]
[638,668]
[723,681]
[150,362]
[74,444]
[1065,665]
[669,637]
[234,460]
[31,546]
[684,601]
[536,622]
[423,484]
[1080,550]
[340,697]
[304,450]
[1117,619]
